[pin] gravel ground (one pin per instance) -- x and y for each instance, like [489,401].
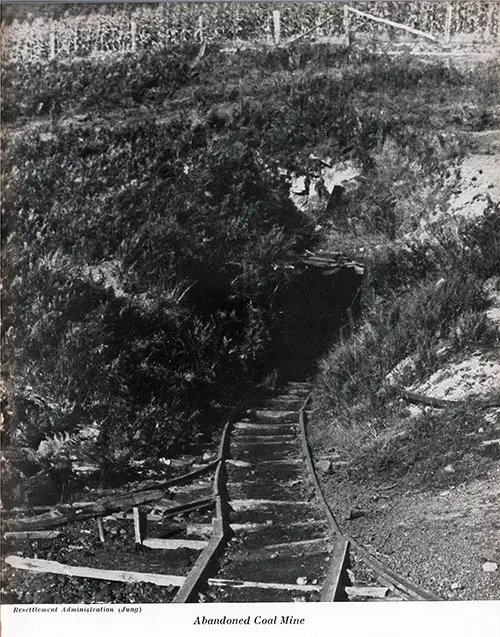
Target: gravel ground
[440,540]
[79,545]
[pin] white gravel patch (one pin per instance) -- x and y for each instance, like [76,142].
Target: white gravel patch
[475,376]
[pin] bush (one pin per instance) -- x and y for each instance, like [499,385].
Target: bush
[145,316]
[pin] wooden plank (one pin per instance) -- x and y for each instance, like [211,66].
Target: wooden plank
[299,545]
[271,429]
[254,504]
[100,529]
[354,592]
[188,488]
[299,548]
[335,579]
[391,23]
[179,480]
[265,463]
[246,440]
[173,527]
[276,586]
[140,524]
[268,416]
[204,530]
[195,505]
[279,463]
[490,443]
[239,463]
[166,544]
[129,577]
[69,512]
[23,510]
[31,535]
[283,403]
[132,577]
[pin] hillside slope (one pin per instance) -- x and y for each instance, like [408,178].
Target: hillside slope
[421,483]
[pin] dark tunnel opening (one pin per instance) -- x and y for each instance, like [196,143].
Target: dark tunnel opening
[313,310]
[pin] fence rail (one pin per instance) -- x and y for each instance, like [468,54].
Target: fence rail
[114,30]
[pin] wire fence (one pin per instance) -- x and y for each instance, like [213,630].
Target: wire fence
[124,29]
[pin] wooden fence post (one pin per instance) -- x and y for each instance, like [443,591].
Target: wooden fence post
[133,34]
[277,27]
[52,45]
[347,24]
[447,24]
[200,28]
[100,529]
[140,524]
[498,23]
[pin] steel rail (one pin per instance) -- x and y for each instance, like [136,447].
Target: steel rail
[220,527]
[332,586]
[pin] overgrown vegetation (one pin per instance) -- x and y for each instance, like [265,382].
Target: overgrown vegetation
[148,224]
[424,305]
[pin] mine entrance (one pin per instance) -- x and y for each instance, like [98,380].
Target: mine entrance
[323,296]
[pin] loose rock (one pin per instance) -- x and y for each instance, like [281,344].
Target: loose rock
[490,567]
[325,466]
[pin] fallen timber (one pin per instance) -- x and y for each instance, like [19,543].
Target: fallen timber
[131,577]
[65,513]
[441,403]
[82,511]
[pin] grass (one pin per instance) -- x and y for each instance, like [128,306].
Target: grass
[430,451]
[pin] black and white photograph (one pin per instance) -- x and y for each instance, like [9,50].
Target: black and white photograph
[250,305]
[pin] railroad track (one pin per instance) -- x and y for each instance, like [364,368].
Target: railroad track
[253,525]
[286,544]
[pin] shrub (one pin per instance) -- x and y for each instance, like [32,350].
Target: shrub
[146,316]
